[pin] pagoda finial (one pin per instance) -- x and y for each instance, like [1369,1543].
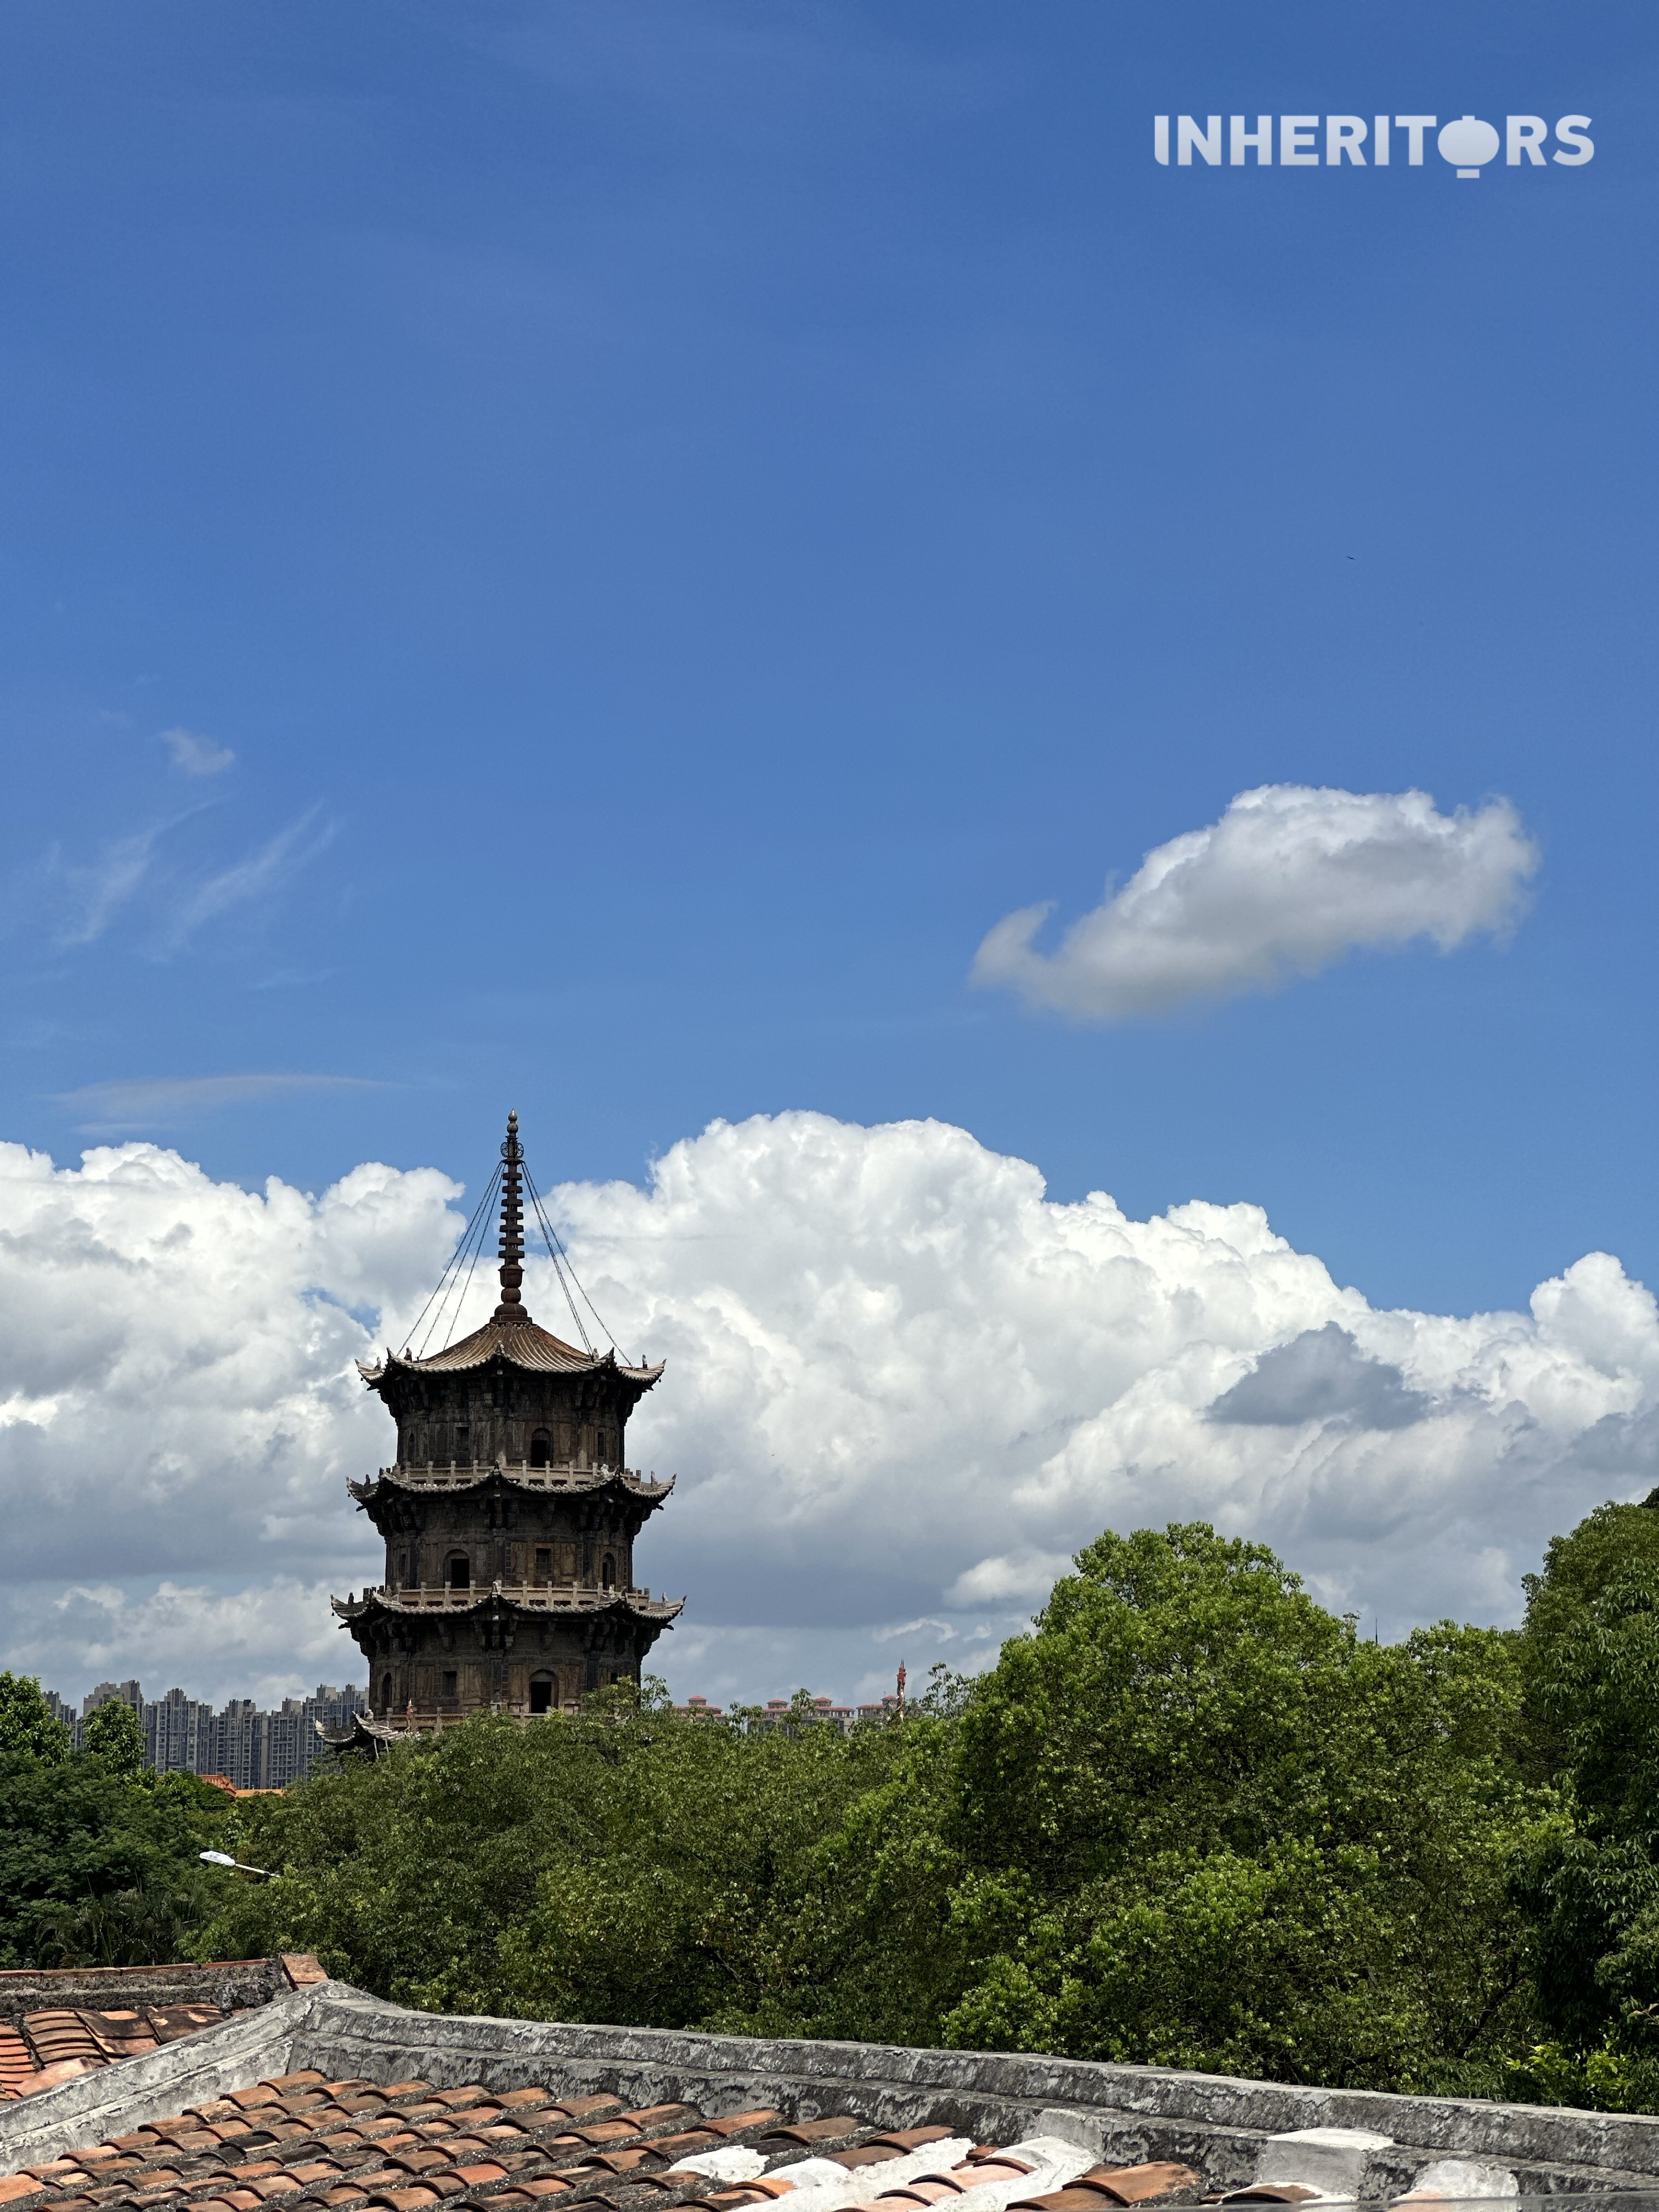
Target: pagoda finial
[511,1308]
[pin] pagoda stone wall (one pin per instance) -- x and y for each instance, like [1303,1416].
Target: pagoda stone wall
[476,1417]
[508,1535]
[482,1661]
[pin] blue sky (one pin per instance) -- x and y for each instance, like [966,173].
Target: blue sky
[685,514]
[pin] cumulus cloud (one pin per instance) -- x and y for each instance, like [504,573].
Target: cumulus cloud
[1321,1376]
[903,1386]
[195,754]
[1288,880]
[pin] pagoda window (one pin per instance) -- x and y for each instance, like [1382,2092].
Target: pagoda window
[608,1573]
[449,1682]
[544,1562]
[544,1693]
[463,1442]
[541,1449]
[459,1571]
[386,1693]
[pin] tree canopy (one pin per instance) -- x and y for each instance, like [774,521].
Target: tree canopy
[27,1726]
[1191,1819]
[98,1857]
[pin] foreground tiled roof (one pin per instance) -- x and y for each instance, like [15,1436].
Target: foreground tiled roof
[325,2095]
[410,2146]
[90,2026]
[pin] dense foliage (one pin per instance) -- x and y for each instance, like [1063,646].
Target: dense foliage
[98,1863]
[1590,1888]
[1192,1819]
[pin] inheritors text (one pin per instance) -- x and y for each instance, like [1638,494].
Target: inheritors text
[1311,142]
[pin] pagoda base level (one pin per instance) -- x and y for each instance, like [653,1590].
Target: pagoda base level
[495,1663]
[369,1736]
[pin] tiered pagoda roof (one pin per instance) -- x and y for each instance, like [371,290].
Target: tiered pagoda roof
[449,1480]
[518,1341]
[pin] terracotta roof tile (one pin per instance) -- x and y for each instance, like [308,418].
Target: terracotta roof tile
[1139,2185]
[408,2147]
[683,2146]
[1271,2193]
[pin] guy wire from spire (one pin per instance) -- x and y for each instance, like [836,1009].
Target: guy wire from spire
[454,1300]
[454,1262]
[557,1253]
[561,1267]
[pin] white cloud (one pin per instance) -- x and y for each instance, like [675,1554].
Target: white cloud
[1288,880]
[195,754]
[1019,1574]
[902,1387]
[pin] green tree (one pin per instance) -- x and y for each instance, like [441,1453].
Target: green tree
[27,1726]
[1590,1886]
[111,1734]
[1203,1825]
[98,1868]
[624,1865]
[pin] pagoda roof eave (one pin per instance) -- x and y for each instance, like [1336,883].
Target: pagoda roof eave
[532,1602]
[519,1343]
[550,1482]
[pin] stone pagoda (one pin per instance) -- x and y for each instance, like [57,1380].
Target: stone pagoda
[509,1519]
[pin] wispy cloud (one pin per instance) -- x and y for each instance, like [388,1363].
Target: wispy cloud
[165,1101]
[136,878]
[195,754]
[95,892]
[248,880]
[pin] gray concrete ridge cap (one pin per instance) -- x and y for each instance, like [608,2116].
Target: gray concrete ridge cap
[1221,2125]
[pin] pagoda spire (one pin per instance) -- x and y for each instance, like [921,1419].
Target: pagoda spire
[511,1308]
